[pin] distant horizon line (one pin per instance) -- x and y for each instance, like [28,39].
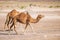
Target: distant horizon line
[32,0]
[29,1]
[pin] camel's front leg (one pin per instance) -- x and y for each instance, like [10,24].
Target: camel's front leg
[31,28]
[26,25]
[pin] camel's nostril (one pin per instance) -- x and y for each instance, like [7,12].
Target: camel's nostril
[42,15]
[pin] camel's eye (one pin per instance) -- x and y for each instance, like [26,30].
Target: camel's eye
[39,16]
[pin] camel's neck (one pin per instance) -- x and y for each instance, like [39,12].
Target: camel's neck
[35,20]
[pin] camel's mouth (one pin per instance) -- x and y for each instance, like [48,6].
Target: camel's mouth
[42,15]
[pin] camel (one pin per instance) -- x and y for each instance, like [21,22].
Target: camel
[9,17]
[24,19]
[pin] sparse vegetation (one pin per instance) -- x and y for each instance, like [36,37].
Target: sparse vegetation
[30,4]
[22,7]
[54,6]
[57,6]
[10,5]
[50,6]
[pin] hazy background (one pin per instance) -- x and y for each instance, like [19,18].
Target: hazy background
[48,28]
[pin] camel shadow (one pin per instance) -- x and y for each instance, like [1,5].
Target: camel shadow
[6,32]
[1,30]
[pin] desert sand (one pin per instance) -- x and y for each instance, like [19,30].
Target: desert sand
[48,28]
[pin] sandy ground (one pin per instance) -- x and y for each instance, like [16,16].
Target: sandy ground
[48,28]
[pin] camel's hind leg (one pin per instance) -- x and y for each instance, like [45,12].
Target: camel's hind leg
[6,22]
[14,22]
[11,26]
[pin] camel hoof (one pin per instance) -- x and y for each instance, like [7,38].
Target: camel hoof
[9,30]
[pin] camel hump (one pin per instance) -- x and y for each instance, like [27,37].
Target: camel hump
[14,10]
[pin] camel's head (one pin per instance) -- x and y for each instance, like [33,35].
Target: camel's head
[40,16]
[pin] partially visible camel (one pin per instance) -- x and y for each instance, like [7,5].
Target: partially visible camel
[25,19]
[9,17]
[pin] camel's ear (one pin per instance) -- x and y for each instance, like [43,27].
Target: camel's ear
[27,12]
[41,15]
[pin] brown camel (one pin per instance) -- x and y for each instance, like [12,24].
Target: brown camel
[9,17]
[25,19]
